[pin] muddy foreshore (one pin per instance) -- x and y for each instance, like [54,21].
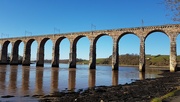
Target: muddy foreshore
[139,91]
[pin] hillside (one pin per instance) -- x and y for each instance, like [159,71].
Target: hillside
[128,59]
[133,59]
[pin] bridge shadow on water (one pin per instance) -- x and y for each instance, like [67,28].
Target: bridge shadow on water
[18,80]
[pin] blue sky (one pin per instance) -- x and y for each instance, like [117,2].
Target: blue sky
[42,16]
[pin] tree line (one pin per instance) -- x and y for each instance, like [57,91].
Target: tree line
[133,59]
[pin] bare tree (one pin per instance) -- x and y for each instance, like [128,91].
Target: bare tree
[174,7]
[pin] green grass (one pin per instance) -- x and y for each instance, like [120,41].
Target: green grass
[159,99]
[156,100]
[100,60]
[159,60]
[178,58]
[84,62]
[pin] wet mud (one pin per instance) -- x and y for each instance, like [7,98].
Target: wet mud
[138,91]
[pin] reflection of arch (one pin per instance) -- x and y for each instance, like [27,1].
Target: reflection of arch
[54,79]
[153,31]
[4,56]
[13,79]
[92,78]
[27,52]
[15,53]
[25,79]
[40,54]
[72,79]
[39,81]
[115,77]
[3,77]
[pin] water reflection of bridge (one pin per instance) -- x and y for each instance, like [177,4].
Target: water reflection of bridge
[17,80]
[11,83]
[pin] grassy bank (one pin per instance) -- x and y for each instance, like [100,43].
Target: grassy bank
[128,60]
[170,94]
[133,60]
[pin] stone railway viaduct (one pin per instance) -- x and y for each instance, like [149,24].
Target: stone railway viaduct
[171,31]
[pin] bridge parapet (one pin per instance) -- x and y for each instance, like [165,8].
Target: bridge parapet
[93,32]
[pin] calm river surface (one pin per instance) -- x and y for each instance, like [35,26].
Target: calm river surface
[31,80]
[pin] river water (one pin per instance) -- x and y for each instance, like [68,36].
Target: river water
[21,80]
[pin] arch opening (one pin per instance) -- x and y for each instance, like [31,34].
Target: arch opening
[6,52]
[157,49]
[9,51]
[44,55]
[82,45]
[64,49]
[48,52]
[104,44]
[178,51]
[156,31]
[15,57]
[34,46]
[29,57]
[21,51]
[129,48]
[104,47]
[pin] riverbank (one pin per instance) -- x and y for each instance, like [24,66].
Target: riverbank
[141,91]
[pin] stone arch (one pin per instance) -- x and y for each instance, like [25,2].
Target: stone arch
[82,45]
[64,48]
[27,52]
[56,53]
[43,41]
[126,33]
[30,41]
[92,55]
[15,52]
[97,37]
[157,30]
[104,43]
[40,54]
[129,45]
[4,53]
[115,54]
[159,50]
[105,40]
[77,39]
[73,55]
[58,41]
